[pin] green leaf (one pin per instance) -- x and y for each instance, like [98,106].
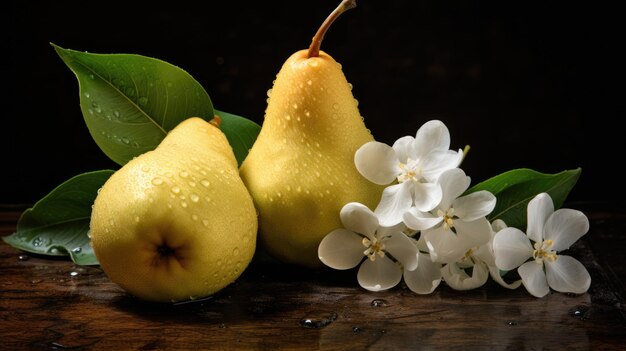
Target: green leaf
[240,132]
[515,188]
[58,224]
[130,102]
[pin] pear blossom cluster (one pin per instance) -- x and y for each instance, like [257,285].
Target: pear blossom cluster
[426,229]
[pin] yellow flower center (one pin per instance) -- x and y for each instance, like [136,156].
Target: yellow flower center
[542,252]
[410,172]
[447,216]
[374,247]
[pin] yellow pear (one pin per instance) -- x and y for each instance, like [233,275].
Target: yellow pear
[300,171]
[176,223]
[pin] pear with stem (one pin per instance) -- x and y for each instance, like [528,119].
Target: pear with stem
[300,171]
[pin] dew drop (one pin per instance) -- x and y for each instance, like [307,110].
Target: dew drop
[235,251]
[318,323]
[335,106]
[117,114]
[511,323]
[269,93]
[194,198]
[23,257]
[313,63]
[92,76]
[184,174]
[205,222]
[77,250]
[73,274]
[309,82]
[339,64]
[356,102]
[175,190]
[307,113]
[356,329]
[288,117]
[143,101]
[87,95]
[157,181]
[379,303]
[38,242]
[192,184]
[36,281]
[183,204]
[350,86]
[125,140]
[295,106]
[205,183]
[194,217]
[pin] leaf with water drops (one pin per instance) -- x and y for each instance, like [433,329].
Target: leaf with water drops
[515,188]
[130,102]
[240,132]
[58,224]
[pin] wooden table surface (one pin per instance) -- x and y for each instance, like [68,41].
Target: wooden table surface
[54,304]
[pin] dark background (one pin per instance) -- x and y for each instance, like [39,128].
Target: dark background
[524,84]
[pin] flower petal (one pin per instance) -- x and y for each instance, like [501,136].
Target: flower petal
[494,272]
[432,136]
[437,162]
[511,248]
[418,220]
[395,201]
[426,196]
[564,227]
[425,278]
[377,162]
[404,148]
[497,225]
[472,234]
[534,278]
[539,209]
[475,205]
[567,275]
[378,275]
[453,183]
[359,219]
[341,249]
[401,247]
[443,245]
[458,279]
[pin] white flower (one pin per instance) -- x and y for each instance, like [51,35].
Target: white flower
[482,261]
[550,231]
[457,224]
[425,278]
[415,163]
[345,248]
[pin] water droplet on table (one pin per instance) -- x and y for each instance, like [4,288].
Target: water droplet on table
[318,322]
[379,303]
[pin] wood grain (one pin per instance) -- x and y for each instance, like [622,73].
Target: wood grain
[54,304]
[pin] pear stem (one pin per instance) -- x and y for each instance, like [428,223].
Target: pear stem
[316,43]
